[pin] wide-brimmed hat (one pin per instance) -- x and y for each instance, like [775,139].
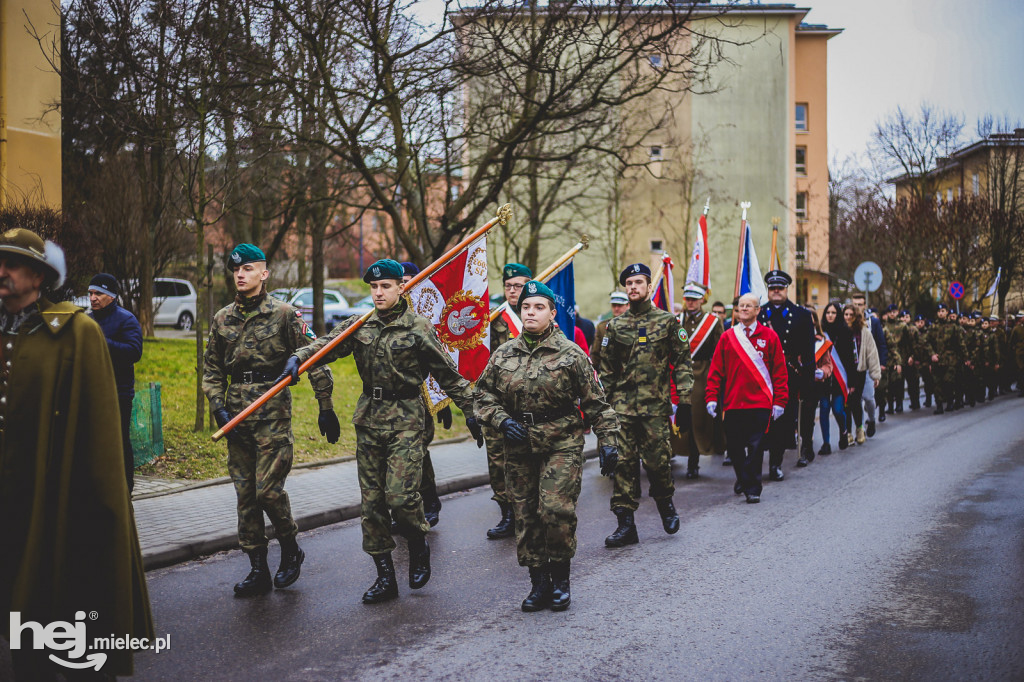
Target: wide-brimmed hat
[29,245]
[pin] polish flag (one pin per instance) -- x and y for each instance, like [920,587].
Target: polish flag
[511,320]
[700,269]
[455,300]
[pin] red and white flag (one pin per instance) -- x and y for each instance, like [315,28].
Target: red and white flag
[839,372]
[511,320]
[455,300]
[700,270]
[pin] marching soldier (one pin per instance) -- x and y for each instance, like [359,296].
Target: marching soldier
[394,351]
[948,349]
[619,303]
[795,328]
[431,500]
[514,277]
[987,387]
[704,330]
[922,359]
[1017,348]
[529,392]
[639,351]
[250,340]
[892,402]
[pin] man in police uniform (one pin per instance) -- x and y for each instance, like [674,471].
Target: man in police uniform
[795,329]
[704,330]
[250,340]
[620,304]
[640,350]
[394,352]
[513,276]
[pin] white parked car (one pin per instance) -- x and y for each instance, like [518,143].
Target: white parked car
[335,306]
[174,302]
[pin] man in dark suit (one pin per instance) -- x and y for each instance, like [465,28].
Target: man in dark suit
[795,329]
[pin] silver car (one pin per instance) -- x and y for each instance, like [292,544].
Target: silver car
[174,302]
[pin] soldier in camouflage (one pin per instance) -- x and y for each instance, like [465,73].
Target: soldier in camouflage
[394,352]
[514,277]
[529,392]
[947,350]
[922,360]
[641,348]
[250,340]
[897,341]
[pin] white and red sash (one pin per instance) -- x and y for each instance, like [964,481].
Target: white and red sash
[840,371]
[701,333]
[754,362]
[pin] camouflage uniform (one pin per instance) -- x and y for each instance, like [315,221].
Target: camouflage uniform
[894,338]
[1017,353]
[494,440]
[393,356]
[947,343]
[638,350]
[544,380]
[249,348]
[968,375]
[922,352]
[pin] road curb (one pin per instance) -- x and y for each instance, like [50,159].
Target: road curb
[201,546]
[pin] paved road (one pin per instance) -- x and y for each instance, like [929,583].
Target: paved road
[901,559]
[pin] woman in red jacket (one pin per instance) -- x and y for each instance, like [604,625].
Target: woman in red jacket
[748,378]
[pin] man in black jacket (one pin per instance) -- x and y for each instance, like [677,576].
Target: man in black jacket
[124,341]
[795,328]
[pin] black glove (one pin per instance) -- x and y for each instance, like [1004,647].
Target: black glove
[222,417]
[608,455]
[329,426]
[684,417]
[474,428]
[514,431]
[291,369]
[444,417]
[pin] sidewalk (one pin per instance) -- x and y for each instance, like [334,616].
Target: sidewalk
[180,525]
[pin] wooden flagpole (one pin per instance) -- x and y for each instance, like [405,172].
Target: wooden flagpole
[773,262]
[739,256]
[657,274]
[504,214]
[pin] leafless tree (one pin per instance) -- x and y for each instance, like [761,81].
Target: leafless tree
[911,146]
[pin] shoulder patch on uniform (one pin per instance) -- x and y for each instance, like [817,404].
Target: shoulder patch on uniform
[306,331]
[604,341]
[682,335]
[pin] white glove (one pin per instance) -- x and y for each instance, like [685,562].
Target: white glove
[777,411]
[712,408]
[819,375]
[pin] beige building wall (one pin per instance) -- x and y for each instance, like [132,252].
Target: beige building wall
[30,131]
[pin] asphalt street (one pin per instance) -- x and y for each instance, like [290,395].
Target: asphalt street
[901,559]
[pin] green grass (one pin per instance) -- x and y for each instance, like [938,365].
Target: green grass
[194,456]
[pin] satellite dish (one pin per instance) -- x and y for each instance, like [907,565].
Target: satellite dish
[868,276]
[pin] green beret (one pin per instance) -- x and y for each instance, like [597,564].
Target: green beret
[385,268]
[535,288]
[515,270]
[245,253]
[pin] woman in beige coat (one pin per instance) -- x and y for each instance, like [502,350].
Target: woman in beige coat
[866,354]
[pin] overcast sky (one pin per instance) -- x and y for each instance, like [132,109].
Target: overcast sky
[964,57]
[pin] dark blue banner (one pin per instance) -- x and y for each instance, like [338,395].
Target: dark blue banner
[564,286]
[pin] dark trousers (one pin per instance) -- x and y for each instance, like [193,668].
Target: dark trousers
[783,430]
[125,405]
[744,431]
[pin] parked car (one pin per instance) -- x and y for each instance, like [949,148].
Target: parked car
[174,302]
[362,306]
[335,306]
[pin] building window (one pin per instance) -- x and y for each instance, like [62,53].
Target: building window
[454,192]
[655,60]
[801,248]
[938,196]
[657,246]
[801,160]
[801,206]
[949,195]
[801,116]
[975,184]
[656,153]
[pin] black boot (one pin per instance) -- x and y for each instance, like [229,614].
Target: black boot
[927,399]
[432,510]
[806,455]
[540,594]
[938,408]
[669,517]
[419,561]
[386,585]
[560,598]
[258,580]
[291,563]
[506,528]
[625,534]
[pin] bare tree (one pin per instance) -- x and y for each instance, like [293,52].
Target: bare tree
[911,146]
[1005,176]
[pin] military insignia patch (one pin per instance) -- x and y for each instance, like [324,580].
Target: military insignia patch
[604,342]
[236,258]
[376,272]
[508,272]
[306,331]
[682,335]
[532,288]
